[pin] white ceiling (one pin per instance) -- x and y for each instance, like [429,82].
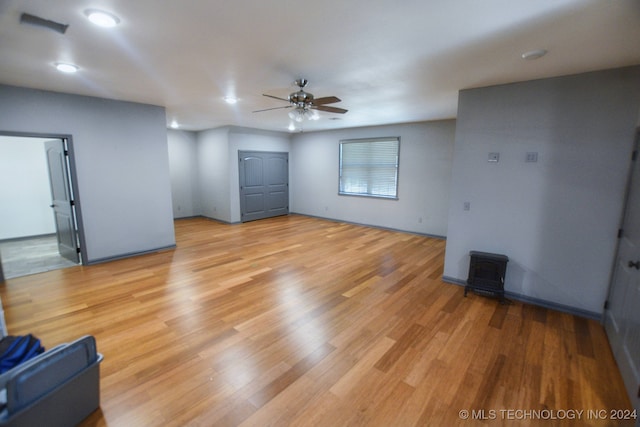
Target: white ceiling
[389,61]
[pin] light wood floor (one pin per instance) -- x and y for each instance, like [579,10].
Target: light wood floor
[300,321]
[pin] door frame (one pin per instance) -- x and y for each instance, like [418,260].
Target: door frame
[73,182]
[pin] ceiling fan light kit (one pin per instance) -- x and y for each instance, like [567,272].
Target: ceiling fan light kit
[299,114]
[305,105]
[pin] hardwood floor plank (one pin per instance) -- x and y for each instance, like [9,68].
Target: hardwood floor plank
[415,409]
[240,412]
[362,368]
[490,382]
[583,338]
[302,321]
[267,393]
[396,351]
[497,320]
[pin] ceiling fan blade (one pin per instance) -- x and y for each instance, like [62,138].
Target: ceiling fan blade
[274,108]
[329,109]
[275,97]
[326,100]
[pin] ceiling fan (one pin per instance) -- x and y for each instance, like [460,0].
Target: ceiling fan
[304,104]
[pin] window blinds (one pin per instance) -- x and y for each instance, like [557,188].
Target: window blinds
[369,167]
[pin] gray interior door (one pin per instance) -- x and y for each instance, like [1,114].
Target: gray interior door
[622,317]
[62,200]
[264,184]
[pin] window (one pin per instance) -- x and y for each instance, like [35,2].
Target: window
[369,167]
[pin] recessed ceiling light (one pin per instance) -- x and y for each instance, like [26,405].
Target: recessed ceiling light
[534,54]
[66,68]
[102,18]
[230,99]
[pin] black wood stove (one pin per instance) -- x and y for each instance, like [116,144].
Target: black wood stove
[486,274]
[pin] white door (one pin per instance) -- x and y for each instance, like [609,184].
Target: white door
[622,316]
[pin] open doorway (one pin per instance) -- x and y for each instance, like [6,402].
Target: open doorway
[38,227]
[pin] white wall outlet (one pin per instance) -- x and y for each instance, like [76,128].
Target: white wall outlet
[467,206]
[532,157]
[494,157]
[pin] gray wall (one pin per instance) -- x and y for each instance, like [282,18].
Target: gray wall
[183,162]
[426,151]
[122,165]
[204,168]
[213,173]
[25,190]
[556,219]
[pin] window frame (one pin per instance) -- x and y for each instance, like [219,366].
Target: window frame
[369,140]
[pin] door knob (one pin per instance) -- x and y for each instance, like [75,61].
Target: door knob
[52,206]
[635,265]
